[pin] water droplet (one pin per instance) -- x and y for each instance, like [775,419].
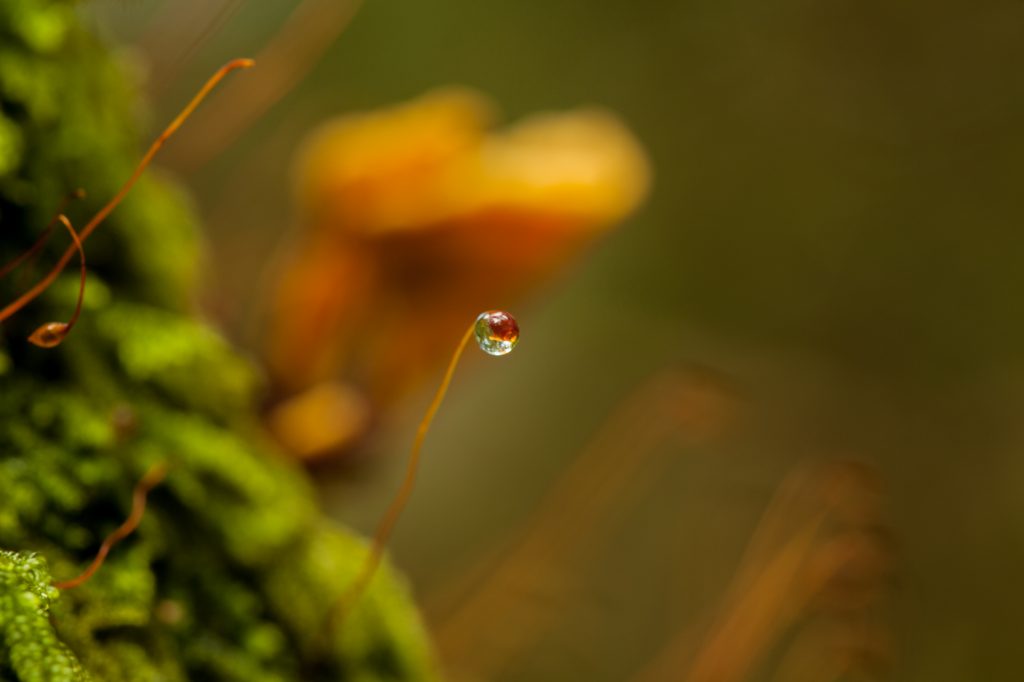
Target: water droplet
[497,332]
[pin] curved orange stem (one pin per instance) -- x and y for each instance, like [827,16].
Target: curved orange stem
[52,333]
[153,477]
[44,283]
[390,518]
[43,238]
[289,56]
[81,259]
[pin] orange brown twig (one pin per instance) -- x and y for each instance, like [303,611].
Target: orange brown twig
[52,333]
[351,595]
[12,264]
[152,478]
[93,223]
[303,39]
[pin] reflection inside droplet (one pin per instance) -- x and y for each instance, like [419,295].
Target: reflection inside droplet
[497,332]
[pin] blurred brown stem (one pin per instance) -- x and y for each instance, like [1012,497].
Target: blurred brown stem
[302,41]
[539,557]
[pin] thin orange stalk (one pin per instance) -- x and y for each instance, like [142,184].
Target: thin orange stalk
[387,523]
[44,283]
[43,238]
[291,54]
[52,333]
[153,477]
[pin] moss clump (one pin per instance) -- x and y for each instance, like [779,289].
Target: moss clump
[232,572]
[31,647]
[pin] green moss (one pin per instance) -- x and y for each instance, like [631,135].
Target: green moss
[233,571]
[31,648]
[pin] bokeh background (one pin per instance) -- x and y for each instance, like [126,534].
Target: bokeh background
[828,269]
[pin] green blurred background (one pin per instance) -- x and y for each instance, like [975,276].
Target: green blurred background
[834,226]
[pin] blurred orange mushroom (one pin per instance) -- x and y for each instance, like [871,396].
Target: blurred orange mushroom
[417,217]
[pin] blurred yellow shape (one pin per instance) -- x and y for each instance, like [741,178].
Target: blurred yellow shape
[319,418]
[584,166]
[433,160]
[392,169]
[419,216]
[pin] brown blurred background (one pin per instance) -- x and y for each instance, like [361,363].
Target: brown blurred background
[818,305]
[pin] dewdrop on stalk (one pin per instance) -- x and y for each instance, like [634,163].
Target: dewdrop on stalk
[427,206]
[497,332]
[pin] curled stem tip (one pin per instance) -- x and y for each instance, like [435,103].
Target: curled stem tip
[51,334]
[150,480]
[101,215]
[6,268]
